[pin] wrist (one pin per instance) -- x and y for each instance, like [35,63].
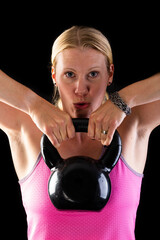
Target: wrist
[127,96]
[120,103]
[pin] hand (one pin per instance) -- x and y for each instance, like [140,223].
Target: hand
[106,118]
[53,122]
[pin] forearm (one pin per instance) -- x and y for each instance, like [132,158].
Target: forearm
[142,92]
[16,95]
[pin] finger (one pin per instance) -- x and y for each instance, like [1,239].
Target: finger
[104,137]
[70,129]
[53,140]
[98,130]
[104,132]
[91,129]
[109,136]
[63,132]
[52,134]
[57,134]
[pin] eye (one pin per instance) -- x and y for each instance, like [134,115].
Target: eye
[93,74]
[69,74]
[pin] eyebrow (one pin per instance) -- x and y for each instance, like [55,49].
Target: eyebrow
[72,69]
[94,67]
[67,68]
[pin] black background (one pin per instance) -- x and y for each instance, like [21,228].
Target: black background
[27,34]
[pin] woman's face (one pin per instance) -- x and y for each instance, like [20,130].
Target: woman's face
[82,79]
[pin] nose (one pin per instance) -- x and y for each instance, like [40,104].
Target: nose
[81,88]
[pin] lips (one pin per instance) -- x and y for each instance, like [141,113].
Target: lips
[81,105]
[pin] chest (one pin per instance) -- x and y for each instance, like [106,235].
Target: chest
[121,207]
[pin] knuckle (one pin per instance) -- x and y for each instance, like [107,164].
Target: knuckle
[62,122]
[53,141]
[56,144]
[70,123]
[68,118]
[92,117]
[55,125]
[47,130]
[96,119]
[109,136]
[99,120]
[114,123]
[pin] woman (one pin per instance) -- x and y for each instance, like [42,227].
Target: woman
[82,69]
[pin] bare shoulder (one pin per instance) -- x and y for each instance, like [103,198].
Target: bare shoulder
[25,145]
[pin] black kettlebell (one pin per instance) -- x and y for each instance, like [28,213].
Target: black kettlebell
[79,182]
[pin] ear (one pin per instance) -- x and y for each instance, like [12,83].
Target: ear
[53,75]
[111,73]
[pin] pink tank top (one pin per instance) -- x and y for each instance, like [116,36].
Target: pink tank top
[116,221]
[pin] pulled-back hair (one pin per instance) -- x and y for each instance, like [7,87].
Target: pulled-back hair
[84,37]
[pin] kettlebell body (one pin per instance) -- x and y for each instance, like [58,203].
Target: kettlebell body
[79,182]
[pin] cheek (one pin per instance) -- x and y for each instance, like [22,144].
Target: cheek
[64,93]
[100,90]
[98,95]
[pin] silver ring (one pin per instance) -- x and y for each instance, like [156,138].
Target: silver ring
[104,132]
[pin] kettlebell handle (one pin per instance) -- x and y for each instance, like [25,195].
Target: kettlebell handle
[109,158]
[50,153]
[80,124]
[80,182]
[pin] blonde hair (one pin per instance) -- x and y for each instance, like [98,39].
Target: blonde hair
[80,36]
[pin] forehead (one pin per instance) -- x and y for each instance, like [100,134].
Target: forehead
[78,57]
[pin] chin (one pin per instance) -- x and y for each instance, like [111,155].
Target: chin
[81,114]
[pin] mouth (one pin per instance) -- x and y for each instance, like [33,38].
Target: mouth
[81,105]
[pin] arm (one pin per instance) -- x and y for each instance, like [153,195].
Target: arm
[144,95]
[142,92]
[15,94]
[11,113]
[56,124]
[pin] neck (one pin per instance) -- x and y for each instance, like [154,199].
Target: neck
[81,145]
[81,138]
